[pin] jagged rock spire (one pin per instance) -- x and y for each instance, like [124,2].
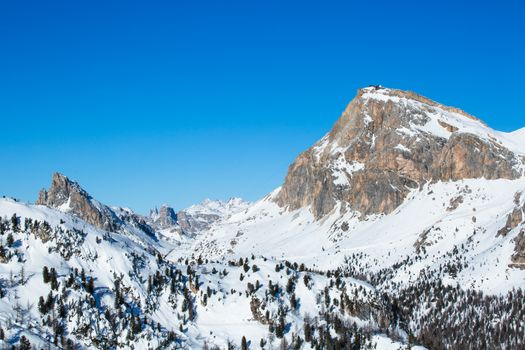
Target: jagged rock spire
[67,195]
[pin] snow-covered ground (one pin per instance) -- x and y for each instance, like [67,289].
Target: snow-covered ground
[267,229]
[431,229]
[223,314]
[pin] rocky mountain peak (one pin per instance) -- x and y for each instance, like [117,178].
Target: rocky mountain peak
[59,192]
[164,217]
[67,196]
[389,142]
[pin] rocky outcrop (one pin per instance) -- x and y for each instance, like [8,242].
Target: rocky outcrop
[67,195]
[466,156]
[513,220]
[447,126]
[387,143]
[455,203]
[518,258]
[191,224]
[165,217]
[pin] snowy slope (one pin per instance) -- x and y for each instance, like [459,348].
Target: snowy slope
[221,302]
[387,239]
[95,251]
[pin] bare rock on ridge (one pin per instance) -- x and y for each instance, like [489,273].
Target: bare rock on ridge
[67,195]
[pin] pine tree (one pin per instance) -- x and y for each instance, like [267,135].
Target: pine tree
[328,341]
[279,330]
[24,343]
[357,341]
[53,279]
[191,311]
[284,344]
[15,223]
[293,302]
[42,305]
[307,332]
[172,285]
[290,286]
[10,240]
[50,301]
[45,274]
[62,310]
[118,297]
[90,287]
[69,345]
[137,325]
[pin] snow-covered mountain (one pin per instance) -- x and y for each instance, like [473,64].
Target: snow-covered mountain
[389,142]
[67,196]
[403,225]
[188,223]
[399,176]
[200,217]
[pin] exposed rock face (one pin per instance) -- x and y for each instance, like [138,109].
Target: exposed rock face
[387,143]
[513,220]
[68,196]
[165,217]
[518,259]
[192,224]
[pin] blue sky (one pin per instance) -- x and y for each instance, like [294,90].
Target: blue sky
[175,101]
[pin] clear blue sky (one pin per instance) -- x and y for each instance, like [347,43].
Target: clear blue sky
[174,101]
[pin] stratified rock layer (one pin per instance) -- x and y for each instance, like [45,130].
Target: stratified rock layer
[387,143]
